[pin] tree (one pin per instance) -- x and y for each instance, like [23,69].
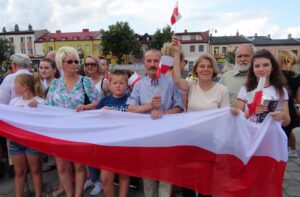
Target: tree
[230,56]
[6,50]
[160,37]
[119,40]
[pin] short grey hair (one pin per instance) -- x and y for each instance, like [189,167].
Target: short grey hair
[64,52]
[251,46]
[21,60]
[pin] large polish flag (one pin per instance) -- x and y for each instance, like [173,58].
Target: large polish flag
[212,152]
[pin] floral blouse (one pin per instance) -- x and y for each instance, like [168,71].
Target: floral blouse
[59,96]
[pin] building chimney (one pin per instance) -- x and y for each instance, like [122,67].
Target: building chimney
[269,36]
[29,27]
[17,27]
[255,35]
[289,36]
[237,33]
[58,31]
[185,31]
[85,30]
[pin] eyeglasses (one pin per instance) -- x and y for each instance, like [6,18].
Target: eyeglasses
[72,61]
[90,64]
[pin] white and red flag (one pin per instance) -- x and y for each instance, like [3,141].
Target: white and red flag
[175,15]
[166,63]
[257,100]
[233,158]
[133,80]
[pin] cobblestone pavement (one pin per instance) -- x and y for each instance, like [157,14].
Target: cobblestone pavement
[291,184]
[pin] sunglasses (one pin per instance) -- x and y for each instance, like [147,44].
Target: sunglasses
[72,61]
[90,64]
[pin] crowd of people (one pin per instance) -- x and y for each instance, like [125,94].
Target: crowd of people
[58,82]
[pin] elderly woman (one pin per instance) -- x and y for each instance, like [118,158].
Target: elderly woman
[71,91]
[203,92]
[93,69]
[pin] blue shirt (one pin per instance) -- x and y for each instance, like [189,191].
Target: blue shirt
[147,88]
[116,104]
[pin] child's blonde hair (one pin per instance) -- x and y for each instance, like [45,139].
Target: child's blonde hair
[32,82]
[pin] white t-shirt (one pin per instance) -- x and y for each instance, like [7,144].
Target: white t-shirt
[269,92]
[20,102]
[99,85]
[198,99]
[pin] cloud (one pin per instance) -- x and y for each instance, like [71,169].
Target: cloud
[144,16]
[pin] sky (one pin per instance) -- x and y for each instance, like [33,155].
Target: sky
[222,17]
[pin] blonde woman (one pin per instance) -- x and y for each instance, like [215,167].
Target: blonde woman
[203,92]
[287,60]
[71,91]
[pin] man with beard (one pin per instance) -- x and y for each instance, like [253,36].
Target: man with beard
[156,96]
[236,78]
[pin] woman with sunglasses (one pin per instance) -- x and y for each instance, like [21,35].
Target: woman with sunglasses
[71,91]
[93,69]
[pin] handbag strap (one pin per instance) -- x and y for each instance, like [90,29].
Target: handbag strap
[86,98]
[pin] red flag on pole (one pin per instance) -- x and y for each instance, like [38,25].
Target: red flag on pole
[175,15]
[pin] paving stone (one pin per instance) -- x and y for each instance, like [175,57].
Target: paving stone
[293,190]
[292,167]
[296,175]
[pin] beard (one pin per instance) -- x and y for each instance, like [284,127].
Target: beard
[243,68]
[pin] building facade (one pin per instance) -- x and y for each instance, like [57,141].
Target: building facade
[86,42]
[193,45]
[23,40]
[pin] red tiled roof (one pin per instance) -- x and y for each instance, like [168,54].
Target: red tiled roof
[62,36]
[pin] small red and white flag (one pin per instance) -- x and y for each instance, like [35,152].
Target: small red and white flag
[134,79]
[257,100]
[175,15]
[166,63]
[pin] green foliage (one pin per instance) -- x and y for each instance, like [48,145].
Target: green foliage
[119,40]
[160,37]
[230,57]
[6,50]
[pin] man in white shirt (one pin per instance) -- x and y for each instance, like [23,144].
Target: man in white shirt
[20,64]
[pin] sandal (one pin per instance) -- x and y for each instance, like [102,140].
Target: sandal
[58,192]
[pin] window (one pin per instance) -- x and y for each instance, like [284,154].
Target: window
[191,63]
[216,50]
[28,39]
[51,39]
[179,37]
[23,51]
[87,48]
[224,50]
[30,51]
[22,39]
[295,52]
[192,48]
[75,38]
[201,48]
[193,37]
[50,48]
[11,39]
[63,38]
